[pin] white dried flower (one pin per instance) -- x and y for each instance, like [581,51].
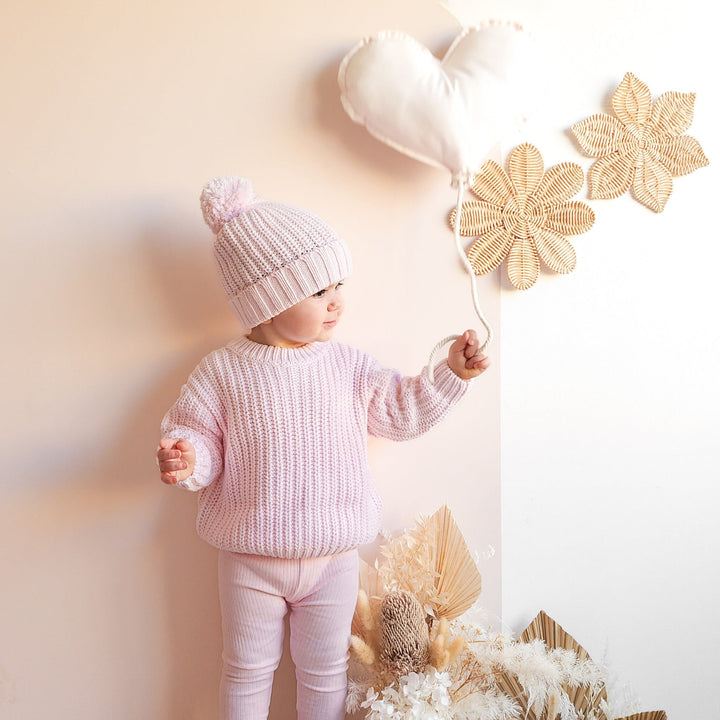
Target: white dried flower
[416,696]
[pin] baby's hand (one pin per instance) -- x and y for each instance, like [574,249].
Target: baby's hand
[176,460]
[464,357]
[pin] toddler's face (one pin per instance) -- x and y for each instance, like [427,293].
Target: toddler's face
[311,320]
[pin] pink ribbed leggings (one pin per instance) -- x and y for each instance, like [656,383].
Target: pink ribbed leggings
[255,594]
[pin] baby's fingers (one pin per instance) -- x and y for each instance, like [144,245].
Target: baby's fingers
[171,458]
[172,464]
[169,478]
[184,446]
[169,455]
[170,467]
[472,344]
[478,362]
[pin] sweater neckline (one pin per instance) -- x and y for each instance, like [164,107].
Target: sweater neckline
[277,355]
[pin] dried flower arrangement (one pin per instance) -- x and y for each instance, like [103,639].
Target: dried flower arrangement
[417,653]
[642,146]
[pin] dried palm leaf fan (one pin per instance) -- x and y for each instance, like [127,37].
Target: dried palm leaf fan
[510,685]
[458,580]
[648,715]
[543,627]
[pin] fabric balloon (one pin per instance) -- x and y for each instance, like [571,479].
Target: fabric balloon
[452,112]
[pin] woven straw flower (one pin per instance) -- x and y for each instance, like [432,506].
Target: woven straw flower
[524,215]
[643,146]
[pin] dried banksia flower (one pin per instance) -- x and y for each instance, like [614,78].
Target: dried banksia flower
[404,636]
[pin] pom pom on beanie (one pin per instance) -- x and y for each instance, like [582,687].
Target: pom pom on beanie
[224,198]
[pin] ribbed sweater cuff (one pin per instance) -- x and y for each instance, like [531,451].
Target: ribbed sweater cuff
[448,384]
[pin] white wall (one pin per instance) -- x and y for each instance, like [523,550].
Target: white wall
[114,115]
[610,392]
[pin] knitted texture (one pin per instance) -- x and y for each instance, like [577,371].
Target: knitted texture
[281,442]
[269,256]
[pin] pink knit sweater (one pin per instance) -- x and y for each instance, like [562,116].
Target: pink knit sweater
[281,442]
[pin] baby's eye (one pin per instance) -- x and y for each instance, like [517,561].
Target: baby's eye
[321,293]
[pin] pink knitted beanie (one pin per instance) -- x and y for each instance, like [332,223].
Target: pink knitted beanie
[270,256]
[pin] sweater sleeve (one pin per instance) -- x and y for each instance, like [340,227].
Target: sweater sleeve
[403,408]
[197,416]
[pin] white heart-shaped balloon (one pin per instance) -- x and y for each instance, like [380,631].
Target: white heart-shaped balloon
[450,112]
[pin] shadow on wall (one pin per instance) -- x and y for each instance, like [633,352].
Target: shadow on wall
[154,608]
[198,307]
[361,146]
[129,581]
[187,579]
[194,317]
[189,295]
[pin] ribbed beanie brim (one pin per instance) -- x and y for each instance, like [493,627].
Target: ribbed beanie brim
[270,256]
[290,284]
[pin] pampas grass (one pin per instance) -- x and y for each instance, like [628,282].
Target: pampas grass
[444,649]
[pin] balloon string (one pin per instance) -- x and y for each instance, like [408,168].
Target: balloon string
[473,287]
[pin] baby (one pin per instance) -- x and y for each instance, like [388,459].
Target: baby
[272,431]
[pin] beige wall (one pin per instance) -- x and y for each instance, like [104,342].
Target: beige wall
[114,115]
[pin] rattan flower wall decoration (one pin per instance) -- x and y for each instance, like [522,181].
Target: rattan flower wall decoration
[524,215]
[643,146]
